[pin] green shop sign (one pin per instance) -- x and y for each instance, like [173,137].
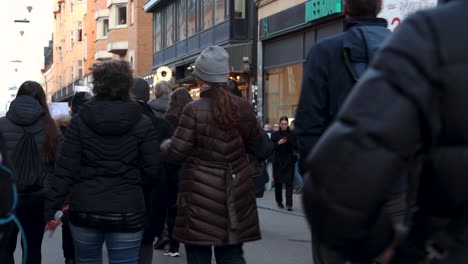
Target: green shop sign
[316,9]
[298,16]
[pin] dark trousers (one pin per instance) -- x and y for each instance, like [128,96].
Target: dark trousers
[30,213]
[67,240]
[223,255]
[172,209]
[279,193]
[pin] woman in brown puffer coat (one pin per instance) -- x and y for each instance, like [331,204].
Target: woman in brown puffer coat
[216,205]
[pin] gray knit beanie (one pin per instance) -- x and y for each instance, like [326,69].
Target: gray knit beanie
[212,65]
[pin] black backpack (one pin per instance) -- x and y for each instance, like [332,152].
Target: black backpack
[27,165]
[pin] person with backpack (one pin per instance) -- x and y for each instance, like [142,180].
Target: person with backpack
[110,150]
[408,112]
[31,141]
[332,68]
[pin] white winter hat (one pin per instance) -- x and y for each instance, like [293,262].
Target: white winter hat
[212,65]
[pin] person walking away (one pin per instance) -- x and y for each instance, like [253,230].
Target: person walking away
[284,159]
[179,99]
[154,191]
[216,208]
[63,122]
[162,91]
[110,149]
[416,119]
[31,140]
[332,68]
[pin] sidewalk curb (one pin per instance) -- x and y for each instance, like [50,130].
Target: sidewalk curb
[284,211]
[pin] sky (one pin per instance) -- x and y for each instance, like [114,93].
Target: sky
[28,48]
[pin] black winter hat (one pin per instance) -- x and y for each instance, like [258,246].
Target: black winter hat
[140,89]
[78,100]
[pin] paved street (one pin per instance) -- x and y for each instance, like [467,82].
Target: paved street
[285,239]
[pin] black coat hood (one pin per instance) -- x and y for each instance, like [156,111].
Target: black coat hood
[110,118]
[24,111]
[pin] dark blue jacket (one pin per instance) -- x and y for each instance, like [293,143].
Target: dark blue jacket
[326,79]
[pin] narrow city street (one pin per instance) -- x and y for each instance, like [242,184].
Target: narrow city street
[286,240]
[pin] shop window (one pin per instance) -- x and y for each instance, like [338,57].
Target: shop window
[282,90]
[182,18]
[239,9]
[207,14]
[157,31]
[169,25]
[220,10]
[192,17]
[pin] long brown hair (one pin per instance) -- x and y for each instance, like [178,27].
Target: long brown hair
[179,99]
[51,133]
[225,111]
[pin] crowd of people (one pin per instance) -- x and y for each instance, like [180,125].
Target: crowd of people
[379,137]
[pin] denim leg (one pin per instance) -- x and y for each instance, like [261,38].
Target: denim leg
[123,248]
[198,254]
[88,245]
[298,182]
[229,255]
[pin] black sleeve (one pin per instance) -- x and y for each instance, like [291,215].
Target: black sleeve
[67,169]
[312,112]
[150,154]
[355,164]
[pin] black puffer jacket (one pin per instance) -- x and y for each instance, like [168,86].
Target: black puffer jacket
[110,149]
[415,90]
[24,113]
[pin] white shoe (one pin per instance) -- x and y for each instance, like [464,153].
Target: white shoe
[167,253]
[174,254]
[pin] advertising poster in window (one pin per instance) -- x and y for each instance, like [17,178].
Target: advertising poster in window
[395,11]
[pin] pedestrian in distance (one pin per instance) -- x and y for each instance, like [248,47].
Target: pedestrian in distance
[179,99]
[155,191]
[68,247]
[216,207]
[162,91]
[31,142]
[110,150]
[407,111]
[284,160]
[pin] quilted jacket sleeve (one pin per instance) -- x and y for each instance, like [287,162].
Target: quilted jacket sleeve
[183,140]
[66,170]
[356,162]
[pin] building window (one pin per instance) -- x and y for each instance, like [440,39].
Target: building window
[282,90]
[182,18]
[71,74]
[239,9]
[79,66]
[192,17]
[132,11]
[220,11]
[122,15]
[102,28]
[157,31]
[80,31]
[207,14]
[85,55]
[169,25]
[71,40]
[60,53]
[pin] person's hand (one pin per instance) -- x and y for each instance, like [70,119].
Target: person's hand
[282,141]
[53,224]
[165,145]
[65,208]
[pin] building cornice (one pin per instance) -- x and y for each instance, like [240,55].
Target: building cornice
[261,3]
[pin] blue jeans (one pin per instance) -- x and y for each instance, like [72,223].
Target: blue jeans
[122,248]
